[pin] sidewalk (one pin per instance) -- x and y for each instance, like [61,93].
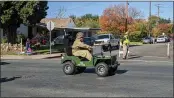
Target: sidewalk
[45,56]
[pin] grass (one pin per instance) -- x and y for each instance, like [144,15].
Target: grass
[46,49]
[41,50]
[136,43]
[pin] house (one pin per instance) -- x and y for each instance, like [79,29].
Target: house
[61,26]
[67,25]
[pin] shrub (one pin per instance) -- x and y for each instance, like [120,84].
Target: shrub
[135,36]
[19,36]
[4,40]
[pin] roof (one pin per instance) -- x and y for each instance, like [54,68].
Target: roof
[81,28]
[58,23]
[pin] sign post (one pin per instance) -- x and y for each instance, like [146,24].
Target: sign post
[50,27]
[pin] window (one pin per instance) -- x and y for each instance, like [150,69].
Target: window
[112,37]
[103,36]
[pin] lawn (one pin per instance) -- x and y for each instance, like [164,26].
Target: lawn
[136,43]
[46,49]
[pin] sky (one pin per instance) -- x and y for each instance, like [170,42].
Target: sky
[97,8]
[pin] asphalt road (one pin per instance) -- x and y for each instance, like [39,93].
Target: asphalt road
[44,78]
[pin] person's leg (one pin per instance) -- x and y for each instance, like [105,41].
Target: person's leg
[127,49]
[83,53]
[124,51]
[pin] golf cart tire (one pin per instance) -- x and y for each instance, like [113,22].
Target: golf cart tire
[69,64]
[81,69]
[105,69]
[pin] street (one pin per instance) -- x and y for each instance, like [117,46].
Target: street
[45,78]
[36,38]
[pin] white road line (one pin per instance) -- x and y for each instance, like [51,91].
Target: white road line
[144,61]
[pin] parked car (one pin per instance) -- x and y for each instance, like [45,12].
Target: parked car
[147,40]
[162,39]
[89,40]
[58,40]
[105,39]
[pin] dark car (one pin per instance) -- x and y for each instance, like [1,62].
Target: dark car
[89,40]
[147,40]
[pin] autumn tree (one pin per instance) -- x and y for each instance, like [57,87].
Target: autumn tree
[162,28]
[113,18]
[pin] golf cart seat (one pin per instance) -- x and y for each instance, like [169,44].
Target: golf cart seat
[68,51]
[82,58]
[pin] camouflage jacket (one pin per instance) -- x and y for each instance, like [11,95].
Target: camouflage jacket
[78,45]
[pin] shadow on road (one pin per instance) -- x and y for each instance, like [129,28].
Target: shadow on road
[134,45]
[4,63]
[52,57]
[133,56]
[92,70]
[9,79]
[121,71]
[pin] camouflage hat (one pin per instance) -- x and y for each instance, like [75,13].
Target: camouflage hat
[79,35]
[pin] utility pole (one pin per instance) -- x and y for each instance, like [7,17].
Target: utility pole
[126,16]
[158,6]
[150,18]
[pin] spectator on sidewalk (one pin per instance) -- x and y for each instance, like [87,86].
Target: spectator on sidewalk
[125,43]
[28,48]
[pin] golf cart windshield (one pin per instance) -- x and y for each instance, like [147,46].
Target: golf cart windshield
[103,36]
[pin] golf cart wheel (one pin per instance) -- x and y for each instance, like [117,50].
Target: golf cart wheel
[68,68]
[81,69]
[102,69]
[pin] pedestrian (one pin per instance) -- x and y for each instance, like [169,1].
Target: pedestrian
[28,45]
[125,43]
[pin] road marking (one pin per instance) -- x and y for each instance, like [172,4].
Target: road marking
[145,61]
[156,56]
[100,78]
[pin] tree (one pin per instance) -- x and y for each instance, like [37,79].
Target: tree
[165,28]
[14,13]
[87,20]
[113,18]
[73,17]
[61,12]
[162,20]
[153,21]
[162,28]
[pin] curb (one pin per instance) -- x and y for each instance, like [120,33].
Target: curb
[14,57]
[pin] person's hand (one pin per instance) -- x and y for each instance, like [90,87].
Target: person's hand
[89,48]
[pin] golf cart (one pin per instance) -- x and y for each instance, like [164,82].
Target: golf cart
[104,65]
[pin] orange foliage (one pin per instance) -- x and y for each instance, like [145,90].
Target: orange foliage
[114,18]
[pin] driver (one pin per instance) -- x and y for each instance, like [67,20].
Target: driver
[81,49]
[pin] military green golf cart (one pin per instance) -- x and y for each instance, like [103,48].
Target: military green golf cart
[104,65]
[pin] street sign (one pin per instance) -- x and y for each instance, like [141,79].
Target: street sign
[50,25]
